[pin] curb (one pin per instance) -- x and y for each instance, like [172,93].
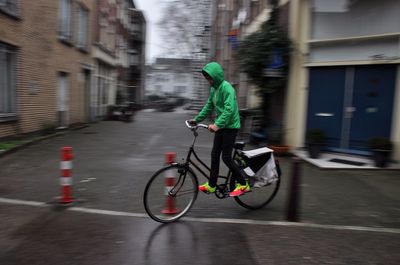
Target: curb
[38,140]
[314,165]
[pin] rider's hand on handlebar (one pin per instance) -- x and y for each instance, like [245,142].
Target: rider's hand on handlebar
[213,128]
[192,122]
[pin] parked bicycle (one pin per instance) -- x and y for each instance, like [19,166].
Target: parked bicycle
[172,190]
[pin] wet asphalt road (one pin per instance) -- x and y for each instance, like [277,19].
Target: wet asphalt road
[114,160]
[44,236]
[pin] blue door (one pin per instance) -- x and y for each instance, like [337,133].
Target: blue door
[351,104]
[373,98]
[325,102]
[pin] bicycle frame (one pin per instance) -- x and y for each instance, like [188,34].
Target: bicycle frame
[190,162]
[183,178]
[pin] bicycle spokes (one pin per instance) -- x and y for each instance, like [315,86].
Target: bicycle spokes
[179,189]
[170,193]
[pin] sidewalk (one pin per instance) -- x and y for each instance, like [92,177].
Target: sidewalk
[343,161]
[10,146]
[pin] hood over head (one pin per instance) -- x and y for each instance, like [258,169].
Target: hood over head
[215,71]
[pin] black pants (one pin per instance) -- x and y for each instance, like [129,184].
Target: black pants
[224,140]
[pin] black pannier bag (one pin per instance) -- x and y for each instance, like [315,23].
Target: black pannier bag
[260,166]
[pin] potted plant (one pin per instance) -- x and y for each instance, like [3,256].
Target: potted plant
[381,148]
[315,140]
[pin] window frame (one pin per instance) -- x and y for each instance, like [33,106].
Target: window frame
[64,30]
[8,74]
[82,40]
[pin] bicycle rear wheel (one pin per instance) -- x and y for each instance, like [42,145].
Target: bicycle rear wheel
[259,197]
[170,193]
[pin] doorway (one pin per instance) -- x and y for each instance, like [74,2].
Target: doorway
[62,100]
[87,93]
[351,104]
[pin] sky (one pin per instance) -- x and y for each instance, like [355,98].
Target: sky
[152,13]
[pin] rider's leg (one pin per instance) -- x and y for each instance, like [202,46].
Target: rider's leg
[215,157]
[229,136]
[210,186]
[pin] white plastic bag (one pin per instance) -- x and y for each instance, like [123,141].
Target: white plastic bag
[268,173]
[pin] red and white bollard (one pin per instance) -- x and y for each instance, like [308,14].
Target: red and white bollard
[169,185]
[66,178]
[170,158]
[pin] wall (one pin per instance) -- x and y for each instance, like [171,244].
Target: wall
[364,17]
[359,34]
[355,50]
[296,97]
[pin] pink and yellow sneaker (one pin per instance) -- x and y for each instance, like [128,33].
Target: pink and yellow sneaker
[207,188]
[240,190]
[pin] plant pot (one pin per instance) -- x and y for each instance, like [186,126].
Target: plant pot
[280,150]
[314,149]
[381,157]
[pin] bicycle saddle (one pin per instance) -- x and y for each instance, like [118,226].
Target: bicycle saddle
[239,145]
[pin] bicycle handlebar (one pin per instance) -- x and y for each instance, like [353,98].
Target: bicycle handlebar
[195,126]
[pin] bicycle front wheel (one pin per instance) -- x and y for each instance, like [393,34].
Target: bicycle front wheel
[170,193]
[259,197]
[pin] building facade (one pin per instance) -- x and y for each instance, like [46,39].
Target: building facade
[119,53]
[205,11]
[136,56]
[345,75]
[45,64]
[62,61]
[344,68]
[233,21]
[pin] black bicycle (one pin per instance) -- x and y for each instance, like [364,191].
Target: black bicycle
[172,190]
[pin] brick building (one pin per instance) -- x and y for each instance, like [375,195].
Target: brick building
[62,61]
[118,53]
[45,64]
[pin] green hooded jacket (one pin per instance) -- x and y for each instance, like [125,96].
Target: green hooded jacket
[222,99]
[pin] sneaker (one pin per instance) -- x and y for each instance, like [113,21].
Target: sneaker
[207,188]
[240,190]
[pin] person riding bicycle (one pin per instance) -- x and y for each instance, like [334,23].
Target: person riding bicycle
[222,99]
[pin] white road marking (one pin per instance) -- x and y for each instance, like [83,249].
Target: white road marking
[293,224]
[211,220]
[21,202]
[107,212]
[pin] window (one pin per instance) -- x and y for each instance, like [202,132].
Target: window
[133,57]
[82,28]
[9,6]
[136,28]
[64,19]
[7,81]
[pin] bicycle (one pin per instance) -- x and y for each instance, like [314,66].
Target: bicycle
[172,190]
